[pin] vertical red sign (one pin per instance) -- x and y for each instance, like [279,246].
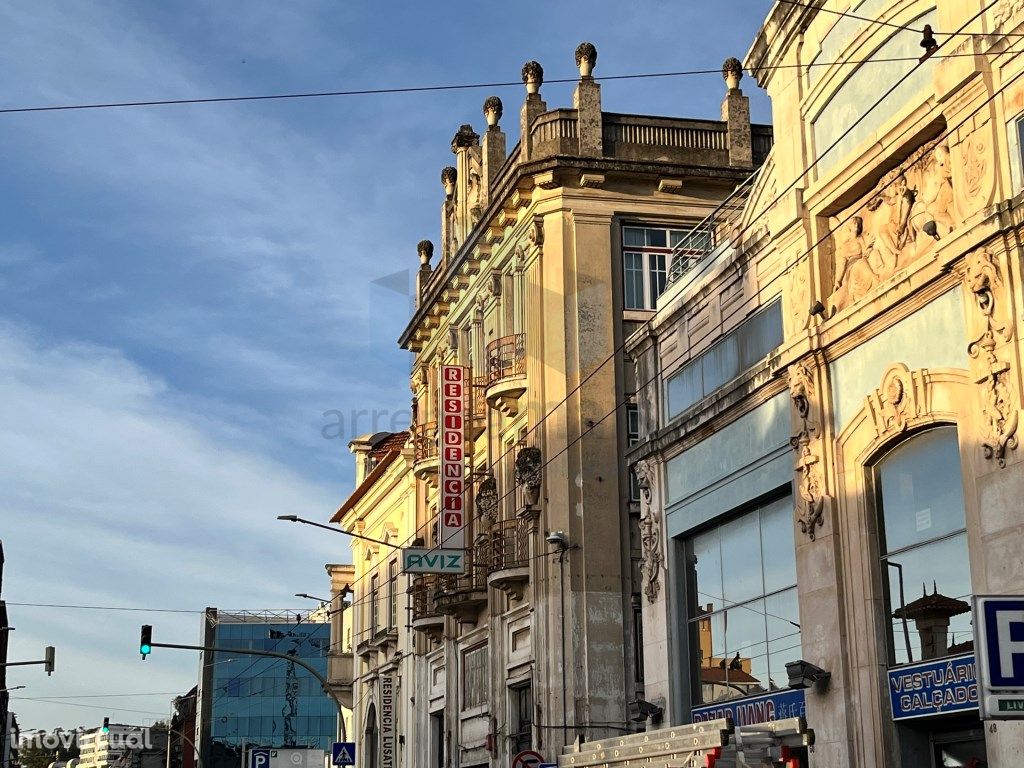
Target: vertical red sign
[454,384]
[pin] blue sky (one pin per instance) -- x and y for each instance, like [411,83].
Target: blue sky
[186,291]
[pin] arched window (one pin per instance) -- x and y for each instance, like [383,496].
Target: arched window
[372,741]
[923,547]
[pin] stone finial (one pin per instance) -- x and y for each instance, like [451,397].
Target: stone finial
[425,249]
[732,71]
[448,176]
[492,110]
[533,76]
[586,58]
[465,137]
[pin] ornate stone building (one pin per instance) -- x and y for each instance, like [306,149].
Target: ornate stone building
[830,395]
[551,253]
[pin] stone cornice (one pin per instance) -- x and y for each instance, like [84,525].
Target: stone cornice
[523,174]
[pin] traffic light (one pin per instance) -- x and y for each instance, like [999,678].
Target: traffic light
[106,725]
[146,641]
[48,659]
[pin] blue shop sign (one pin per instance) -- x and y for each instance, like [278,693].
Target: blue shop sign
[755,709]
[934,687]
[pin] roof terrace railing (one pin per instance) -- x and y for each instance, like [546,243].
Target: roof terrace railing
[719,228]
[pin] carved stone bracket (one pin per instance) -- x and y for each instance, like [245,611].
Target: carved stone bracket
[487,500]
[810,501]
[999,409]
[651,556]
[529,473]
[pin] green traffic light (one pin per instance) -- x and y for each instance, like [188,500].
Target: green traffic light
[144,649]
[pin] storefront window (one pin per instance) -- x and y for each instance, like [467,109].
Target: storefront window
[924,548]
[744,620]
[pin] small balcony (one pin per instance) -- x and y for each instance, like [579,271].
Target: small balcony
[509,568]
[464,595]
[478,407]
[424,451]
[425,617]
[340,674]
[506,373]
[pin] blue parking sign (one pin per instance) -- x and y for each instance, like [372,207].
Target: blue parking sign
[259,758]
[343,753]
[999,641]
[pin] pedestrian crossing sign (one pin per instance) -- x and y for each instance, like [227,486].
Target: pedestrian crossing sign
[343,753]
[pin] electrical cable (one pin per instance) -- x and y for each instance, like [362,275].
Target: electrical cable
[422,88]
[88,706]
[848,15]
[593,425]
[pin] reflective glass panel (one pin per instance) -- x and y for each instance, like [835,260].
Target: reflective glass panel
[633,268]
[741,554]
[922,495]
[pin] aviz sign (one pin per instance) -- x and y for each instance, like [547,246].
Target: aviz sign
[454,386]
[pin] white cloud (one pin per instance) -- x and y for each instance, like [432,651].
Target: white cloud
[116,492]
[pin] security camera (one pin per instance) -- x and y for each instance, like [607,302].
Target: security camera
[557,539]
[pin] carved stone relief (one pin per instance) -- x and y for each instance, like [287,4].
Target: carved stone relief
[1006,12]
[529,473]
[487,500]
[897,401]
[651,557]
[1000,413]
[810,501]
[896,223]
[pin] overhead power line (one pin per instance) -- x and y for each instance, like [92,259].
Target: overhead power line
[846,14]
[424,88]
[621,347]
[155,610]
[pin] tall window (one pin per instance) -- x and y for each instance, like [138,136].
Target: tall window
[521,715]
[645,261]
[744,619]
[924,547]
[392,599]
[474,677]
[374,605]
[632,438]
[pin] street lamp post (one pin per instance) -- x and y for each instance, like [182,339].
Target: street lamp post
[297,519]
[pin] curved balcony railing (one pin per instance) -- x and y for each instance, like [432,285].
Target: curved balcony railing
[506,358]
[464,594]
[424,441]
[510,544]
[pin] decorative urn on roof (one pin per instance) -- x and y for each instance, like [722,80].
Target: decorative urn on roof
[492,110]
[586,58]
[448,176]
[533,76]
[732,71]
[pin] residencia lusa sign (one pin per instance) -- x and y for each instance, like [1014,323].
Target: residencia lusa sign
[449,555]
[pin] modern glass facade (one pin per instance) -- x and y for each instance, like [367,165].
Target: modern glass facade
[266,702]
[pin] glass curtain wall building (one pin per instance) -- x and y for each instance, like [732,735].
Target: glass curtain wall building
[252,701]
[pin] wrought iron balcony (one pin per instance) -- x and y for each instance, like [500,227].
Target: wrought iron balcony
[425,617]
[463,595]
[506,372]
[478,407]
[425,451]
[510,556]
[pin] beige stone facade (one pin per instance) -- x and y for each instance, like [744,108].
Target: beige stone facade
[551,252]
[838,380]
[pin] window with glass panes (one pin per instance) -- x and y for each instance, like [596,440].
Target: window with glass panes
[924,560]
[521,711]
[646,256]
[474,677]
[392,592]
[374,607]
[632,438]
[743,617]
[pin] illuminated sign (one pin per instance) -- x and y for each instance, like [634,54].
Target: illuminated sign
[454,384]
